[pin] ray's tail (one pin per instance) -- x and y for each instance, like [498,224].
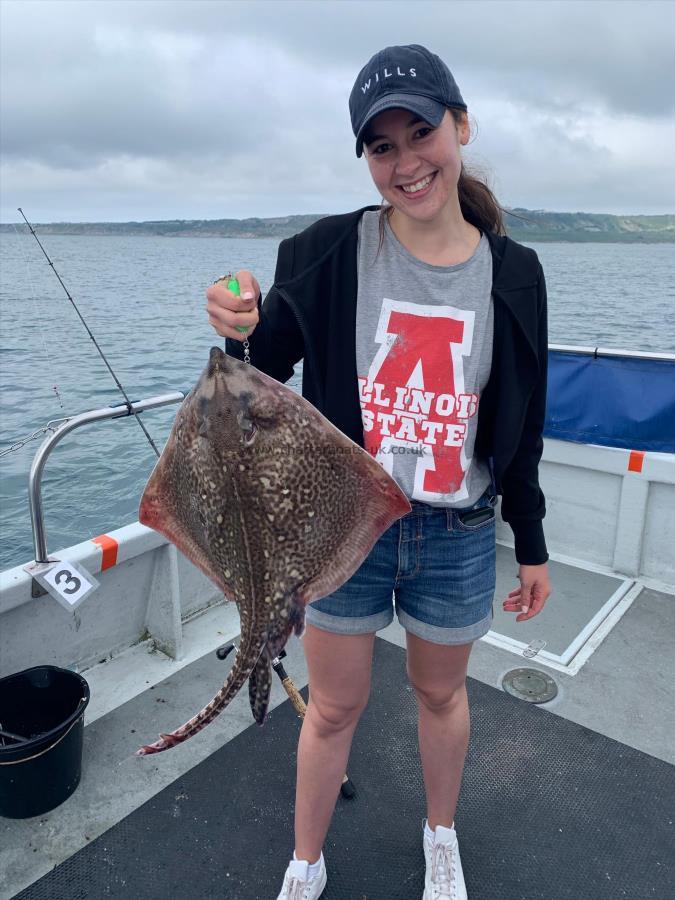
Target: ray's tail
[245,662]
[260,688]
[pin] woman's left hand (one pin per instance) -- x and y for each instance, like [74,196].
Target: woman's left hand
[530,597]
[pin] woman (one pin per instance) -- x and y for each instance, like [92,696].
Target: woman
[424,338]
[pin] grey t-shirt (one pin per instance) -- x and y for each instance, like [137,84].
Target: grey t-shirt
[423,354]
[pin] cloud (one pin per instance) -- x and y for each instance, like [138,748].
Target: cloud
[207,109]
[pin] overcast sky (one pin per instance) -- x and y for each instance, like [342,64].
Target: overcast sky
[130,110]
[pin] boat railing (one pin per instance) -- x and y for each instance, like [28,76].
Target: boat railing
[121,410]
[609,351]
[116,411]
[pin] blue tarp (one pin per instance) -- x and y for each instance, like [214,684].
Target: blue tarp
[611,400]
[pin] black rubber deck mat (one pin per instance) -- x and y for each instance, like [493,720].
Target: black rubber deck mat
[548,810]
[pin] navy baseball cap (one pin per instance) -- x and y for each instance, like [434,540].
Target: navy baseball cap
[410,77]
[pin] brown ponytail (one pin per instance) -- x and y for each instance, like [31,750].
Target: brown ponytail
[477,202]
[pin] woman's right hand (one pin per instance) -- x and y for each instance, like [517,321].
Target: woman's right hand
[226,310]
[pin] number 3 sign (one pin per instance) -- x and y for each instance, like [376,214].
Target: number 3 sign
[68,582]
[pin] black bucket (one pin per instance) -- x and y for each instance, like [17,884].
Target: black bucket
[41,730]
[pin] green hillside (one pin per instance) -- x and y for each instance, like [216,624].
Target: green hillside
[521,224]
[540,225]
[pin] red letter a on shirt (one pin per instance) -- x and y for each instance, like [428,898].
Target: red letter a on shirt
[431,348]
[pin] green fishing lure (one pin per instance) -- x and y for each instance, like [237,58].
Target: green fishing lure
[233,285]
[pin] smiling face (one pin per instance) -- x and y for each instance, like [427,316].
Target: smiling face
[403,150]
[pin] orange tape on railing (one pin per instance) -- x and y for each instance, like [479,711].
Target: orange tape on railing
[635,460]
[109,547]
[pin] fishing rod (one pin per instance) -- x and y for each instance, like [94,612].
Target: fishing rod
[131,411]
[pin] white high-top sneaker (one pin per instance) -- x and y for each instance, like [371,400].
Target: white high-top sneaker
[297,884]
[444,879]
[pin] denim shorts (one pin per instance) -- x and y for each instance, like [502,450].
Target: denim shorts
[437,571]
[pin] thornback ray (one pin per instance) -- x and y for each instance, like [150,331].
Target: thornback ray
[273,503]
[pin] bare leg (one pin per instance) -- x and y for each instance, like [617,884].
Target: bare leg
[438,675]
[339,685]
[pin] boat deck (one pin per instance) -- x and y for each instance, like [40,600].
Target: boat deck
[599,770]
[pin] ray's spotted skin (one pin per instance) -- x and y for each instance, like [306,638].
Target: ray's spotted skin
[273,503]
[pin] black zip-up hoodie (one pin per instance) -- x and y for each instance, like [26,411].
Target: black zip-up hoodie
[309,313]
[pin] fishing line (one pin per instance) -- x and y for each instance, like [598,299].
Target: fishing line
[103,356]
[33,299]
